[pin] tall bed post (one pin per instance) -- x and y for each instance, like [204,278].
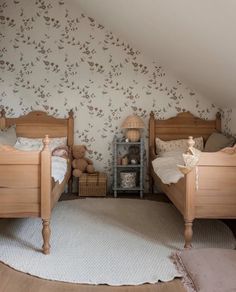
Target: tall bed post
[46,194]
[70,142]
[70,128]
[218,122]
[151,148]
[189,208]
[189,201]
[2,119]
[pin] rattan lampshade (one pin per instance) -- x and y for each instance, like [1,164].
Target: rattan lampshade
[133,123]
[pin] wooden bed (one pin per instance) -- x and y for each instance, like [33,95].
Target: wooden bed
[26,187]
[215,194]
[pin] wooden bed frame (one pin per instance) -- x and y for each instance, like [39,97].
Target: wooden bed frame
[26,188]
[214,196]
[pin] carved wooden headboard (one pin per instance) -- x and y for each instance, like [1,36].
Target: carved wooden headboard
[182,126]
[37,124]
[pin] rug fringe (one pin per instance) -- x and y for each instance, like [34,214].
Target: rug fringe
[186,279]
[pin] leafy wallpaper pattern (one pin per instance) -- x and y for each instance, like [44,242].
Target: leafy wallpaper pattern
[53,57]
[228,121]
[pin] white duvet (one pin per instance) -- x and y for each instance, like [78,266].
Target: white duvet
[59,168]
[166,167]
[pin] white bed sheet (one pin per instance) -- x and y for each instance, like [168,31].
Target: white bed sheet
[59,168]
[166,167]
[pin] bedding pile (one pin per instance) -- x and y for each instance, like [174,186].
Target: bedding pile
[173,161]
[166,167]
[175,158]
[59,168]
[172,167]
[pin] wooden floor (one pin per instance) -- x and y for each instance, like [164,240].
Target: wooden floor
[14,281]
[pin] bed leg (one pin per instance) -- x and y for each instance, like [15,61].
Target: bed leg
[188,233]
[46,232]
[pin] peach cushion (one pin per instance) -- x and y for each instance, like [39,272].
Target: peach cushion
[210,269]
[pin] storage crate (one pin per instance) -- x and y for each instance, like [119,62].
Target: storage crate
[93,185]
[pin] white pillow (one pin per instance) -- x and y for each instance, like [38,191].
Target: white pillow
[8,136]
[177,145]
[29,144]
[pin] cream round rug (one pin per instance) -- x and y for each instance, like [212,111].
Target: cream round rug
[106,241]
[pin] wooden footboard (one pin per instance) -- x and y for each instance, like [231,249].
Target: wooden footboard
[215,195]
[25,182]
[25,177]
[25,185]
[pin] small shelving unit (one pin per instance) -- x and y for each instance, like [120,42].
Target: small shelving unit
[138,168]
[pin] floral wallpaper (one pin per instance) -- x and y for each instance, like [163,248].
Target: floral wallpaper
[229,121]
[53,57]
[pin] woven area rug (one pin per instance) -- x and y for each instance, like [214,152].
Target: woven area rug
[106,241]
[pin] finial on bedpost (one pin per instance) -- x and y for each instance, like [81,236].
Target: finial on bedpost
[46,141]
[191,142]
[71,114]
[152,114]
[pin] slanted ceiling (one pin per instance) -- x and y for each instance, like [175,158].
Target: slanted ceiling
[194,40]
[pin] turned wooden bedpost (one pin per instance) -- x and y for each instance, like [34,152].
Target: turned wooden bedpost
[189,212]
[191,143]
[70,143]
[46,194]
[46,232]
[151,148]
[2,119]
[218,122]
[188,233]
[70,127]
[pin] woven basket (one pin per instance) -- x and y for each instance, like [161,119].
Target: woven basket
[93,185]
[128,179]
